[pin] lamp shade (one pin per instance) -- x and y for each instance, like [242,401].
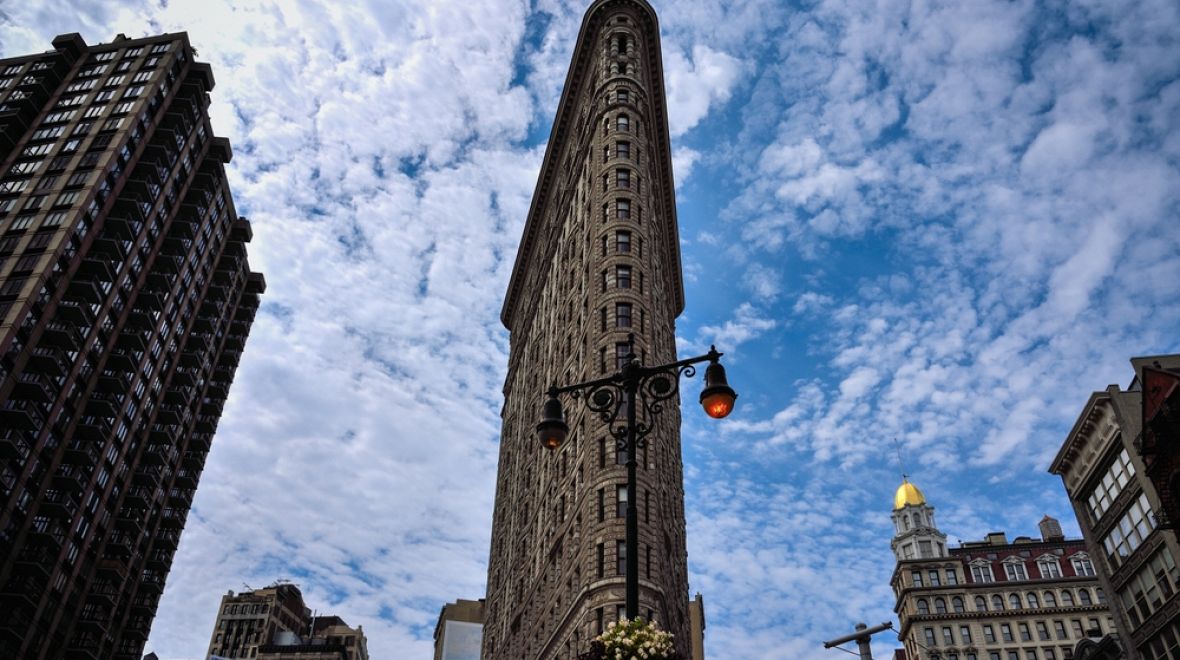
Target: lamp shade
[552,430]
[717,398]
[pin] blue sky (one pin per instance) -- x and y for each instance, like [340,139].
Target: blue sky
[941,222]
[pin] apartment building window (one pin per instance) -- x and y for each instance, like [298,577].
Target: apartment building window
[923,606]
[1006,632]
[1084,597]
[601,504]
[104,96]
[623,277]
[30,166]
[622,315]
[1025,633]
[1033,602]
[622,96]
[934,581]
[623,123]
[622,241]
[1132,527]
[951,576]
[1059,629]
[621,556]
[980,604]
[622,354]
[601,559]
[948,636]
[1117,475]
[916,577]
[931,640]
[1082,565]
[1076,626]
[621,501]
[1067,598]
[622,149]
[1042,631]
[623,177]
[989,634]
[965,634]
[982,572]
[623,209]
[1014,601]
[939,605]
[1050,599]
[1048,567]
[601,452]
[957,604]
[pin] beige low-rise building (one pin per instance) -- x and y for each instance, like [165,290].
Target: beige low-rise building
[1028,599]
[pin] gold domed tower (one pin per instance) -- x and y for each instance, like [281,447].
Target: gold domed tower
[915,534]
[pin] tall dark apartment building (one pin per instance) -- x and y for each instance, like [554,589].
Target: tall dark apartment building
[599,260]
[125,301]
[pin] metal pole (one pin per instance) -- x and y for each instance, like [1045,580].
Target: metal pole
[632,541]
[862,643]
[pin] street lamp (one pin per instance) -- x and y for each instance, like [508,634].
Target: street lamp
[632,384]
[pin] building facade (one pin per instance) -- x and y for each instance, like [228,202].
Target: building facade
[1029,599]
[599,262]
[125,302]
[274,624]
[1110,485]
[459,631]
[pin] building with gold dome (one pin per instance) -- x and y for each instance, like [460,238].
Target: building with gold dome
[1028,599]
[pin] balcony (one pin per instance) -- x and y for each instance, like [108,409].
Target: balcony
[85,292]
[186,479]
[121,361]
[167,264]
[160,560]
[101,408]
[73,314]
[119,546]
[81,452]
[152,582]
[113,569]
[201,441]
[70,479]
[147,477]
[216,293]
[95,270]
[157,283]
[167,539]
[93,430]
[183,227]
[60,335]
[11,447]
[159,455]
[15,418]
[174,247]
[241,231]
[113,382]
[131,341]
[190,359]
[148,300]
[43,361]
[120,227]
[172,519]
[172,415]
[178,396]
[31,386]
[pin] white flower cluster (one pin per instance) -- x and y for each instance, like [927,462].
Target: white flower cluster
[636,640]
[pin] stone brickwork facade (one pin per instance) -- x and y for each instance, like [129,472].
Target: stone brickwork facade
[599,260]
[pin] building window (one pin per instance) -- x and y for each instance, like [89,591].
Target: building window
[1116,477]
[916,576]
[934,581]
[1050,599]
[622,241]
[1025,633]
[1048,567]
[623,209]
[1084,597]
[982,572]
[965,634]
[621,554]
[957,604]
[620,501]
[1067,598]
[601,504]
[948,636]
[989,634]
[980,604]
[939,606]
[923,606]
[1132,527]
[1059,628]
[623,277]
[931,640]
[1033,603]
[601,559]
[951,576]
[623,177]
[623,149]
[622,354]
[1006,632]
[1014,570]
[622,315]
[1042,631]
[1082,564]
[1014,601]
[622,96]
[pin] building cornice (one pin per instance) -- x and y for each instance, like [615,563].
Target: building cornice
[533,240]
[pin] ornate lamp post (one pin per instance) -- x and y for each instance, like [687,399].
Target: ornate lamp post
[632,385]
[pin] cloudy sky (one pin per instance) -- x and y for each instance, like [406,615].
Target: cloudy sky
[944,223]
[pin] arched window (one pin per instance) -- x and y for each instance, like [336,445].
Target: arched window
[997,603]
[917,520]
[1033,601]
[957,604]
[906,520]
[1050,599]
[1084,597]
[923,606]
[1100,595]
[980,604]
[939,606]
[1014,601]
[623,122]
[1067,598]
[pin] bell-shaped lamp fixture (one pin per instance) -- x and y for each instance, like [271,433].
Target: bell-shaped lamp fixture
[552,430]
[717,397]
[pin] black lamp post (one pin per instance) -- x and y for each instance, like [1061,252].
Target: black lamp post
[635,383]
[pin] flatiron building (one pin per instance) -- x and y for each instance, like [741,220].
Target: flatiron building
[125,301]
[599,262]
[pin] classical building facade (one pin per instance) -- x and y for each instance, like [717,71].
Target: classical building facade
[274,624]
[599,262]
[1029,599]
[1106,467]
[125,301]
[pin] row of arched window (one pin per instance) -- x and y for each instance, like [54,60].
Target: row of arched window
[1030,600]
